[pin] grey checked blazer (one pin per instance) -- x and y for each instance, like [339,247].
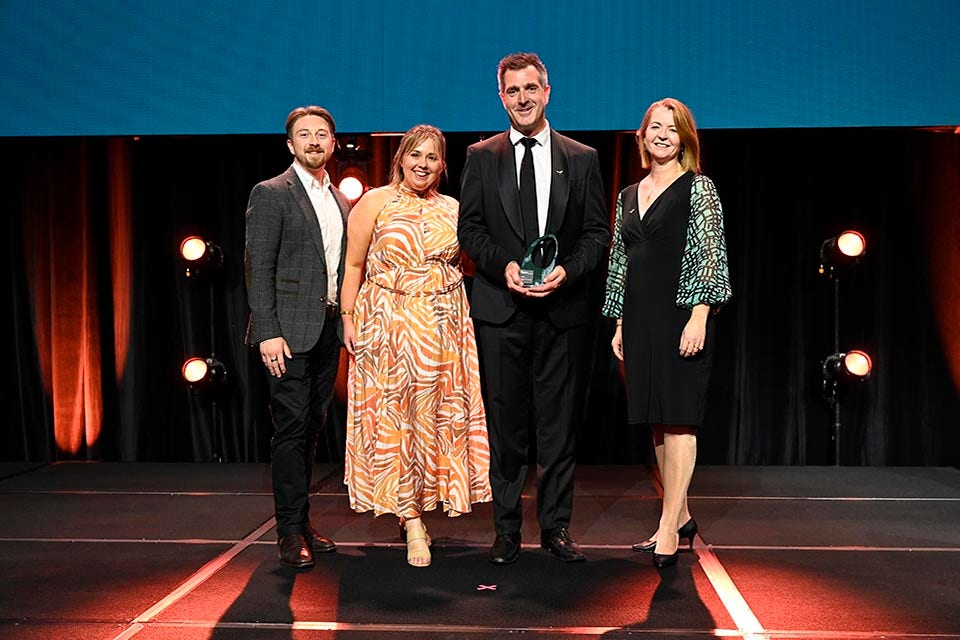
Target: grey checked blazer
[284,262]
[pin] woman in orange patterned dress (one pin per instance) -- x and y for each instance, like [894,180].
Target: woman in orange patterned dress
[416,427]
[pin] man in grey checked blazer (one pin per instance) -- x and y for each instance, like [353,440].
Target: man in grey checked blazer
[295,244]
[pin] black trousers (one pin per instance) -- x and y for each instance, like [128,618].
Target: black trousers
[531,373]
[298,402]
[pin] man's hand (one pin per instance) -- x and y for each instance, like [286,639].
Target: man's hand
[512,276]
[272,352]
[550,284]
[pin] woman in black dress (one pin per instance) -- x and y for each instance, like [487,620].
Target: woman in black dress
[667,276]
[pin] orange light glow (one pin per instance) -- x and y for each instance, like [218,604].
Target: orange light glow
[851,243]
[121,249]
[343,373]
[351,187]
[858,363]
[193,248]
[61,266]
[194,369]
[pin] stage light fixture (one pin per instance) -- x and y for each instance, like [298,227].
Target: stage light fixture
[852,366]
[353,183]
[842,368]
[841,251]
[199,254]
[206,375]
[836,255]
[200,373]
[351,167]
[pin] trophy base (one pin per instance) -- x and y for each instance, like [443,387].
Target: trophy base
[532,277]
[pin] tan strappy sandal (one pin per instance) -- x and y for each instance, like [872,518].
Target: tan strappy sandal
[416,556]
[403,533]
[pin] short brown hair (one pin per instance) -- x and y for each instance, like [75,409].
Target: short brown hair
[518,61]
[686,129]
[409,141]
[299,112]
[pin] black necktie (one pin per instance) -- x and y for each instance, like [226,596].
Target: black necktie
[528,193]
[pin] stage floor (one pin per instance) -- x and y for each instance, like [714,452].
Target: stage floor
[187,551]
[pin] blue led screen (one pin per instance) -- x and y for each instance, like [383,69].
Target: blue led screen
[216,67]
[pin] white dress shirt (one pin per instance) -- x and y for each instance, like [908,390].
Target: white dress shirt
[542,169]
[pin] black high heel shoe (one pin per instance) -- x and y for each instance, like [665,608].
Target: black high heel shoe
[661,561]
[686,532]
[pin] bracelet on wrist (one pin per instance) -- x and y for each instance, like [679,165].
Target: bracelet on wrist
[346,312]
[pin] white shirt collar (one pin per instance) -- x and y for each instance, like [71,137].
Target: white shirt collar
[542,138]
[310,182]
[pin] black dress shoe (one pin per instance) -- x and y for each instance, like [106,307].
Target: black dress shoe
[505,549]
[560,544]
[294,551]
[317,542]
[686,532]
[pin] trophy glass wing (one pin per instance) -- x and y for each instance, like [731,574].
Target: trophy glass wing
[540,259]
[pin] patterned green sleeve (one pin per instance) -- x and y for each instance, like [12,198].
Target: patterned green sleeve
[704,277]
[616,269]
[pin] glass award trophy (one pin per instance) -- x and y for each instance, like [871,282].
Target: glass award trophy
[539,261]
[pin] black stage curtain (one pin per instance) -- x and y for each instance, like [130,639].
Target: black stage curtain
[101,314]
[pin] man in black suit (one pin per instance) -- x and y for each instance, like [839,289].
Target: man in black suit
[517,186]
[294,265]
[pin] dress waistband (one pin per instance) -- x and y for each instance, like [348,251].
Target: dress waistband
[446,289]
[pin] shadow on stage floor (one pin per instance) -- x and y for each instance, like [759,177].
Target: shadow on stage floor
[187,551]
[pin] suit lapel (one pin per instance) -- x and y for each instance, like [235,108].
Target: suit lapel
[344,205]
[559,183]
[509,192]
[306,208]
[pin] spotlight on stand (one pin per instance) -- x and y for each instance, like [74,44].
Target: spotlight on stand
[203,373]
[838,369]
[199,254]
[352,183]
[841,251]
[836,254]
[205,376]
[852,366]
[352,162]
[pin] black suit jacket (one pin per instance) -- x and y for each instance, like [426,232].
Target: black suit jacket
[491,229]
[285,265]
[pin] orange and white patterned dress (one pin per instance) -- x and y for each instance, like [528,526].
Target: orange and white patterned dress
[416,427]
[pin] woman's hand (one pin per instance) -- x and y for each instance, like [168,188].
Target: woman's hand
[617,343]
[349,334]
[695,332]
